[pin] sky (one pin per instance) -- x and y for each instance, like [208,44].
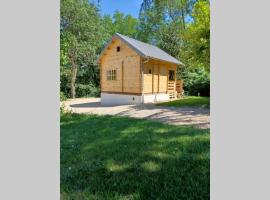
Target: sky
[131,7]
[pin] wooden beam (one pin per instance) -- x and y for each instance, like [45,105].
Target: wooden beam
[141,74]
[158,76]
[174,77]
[122,76]
[128,93]
[100,76]
[152,78]
[167,77]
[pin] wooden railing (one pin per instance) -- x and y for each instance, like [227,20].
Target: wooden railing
[171,89]
[179,88]
[175,89]
[171,86]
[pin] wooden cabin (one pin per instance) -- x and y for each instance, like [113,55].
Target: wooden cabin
[133,72]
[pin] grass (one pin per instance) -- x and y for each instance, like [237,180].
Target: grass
[110,157]
[190,101]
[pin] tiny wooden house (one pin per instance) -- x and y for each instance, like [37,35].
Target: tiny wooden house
[133,72]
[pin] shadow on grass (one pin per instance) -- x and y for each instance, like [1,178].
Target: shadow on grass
[91,105]
[108,157]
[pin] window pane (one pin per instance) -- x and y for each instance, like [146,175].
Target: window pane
[111,74]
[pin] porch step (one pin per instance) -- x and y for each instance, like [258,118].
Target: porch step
[172,95]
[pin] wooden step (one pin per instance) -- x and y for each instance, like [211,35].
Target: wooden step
[172,95]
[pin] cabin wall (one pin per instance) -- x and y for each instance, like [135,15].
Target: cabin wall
[157,80]
[147,74]
[128,69]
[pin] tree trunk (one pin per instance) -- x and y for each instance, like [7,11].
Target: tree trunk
[74,70]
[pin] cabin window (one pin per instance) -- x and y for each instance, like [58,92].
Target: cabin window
[149,71]
[111,75]
[118,49]
[171,75]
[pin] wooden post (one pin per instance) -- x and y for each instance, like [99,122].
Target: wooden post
[175,78]
[158,76]
[167,77]
[122,76]
[142,74]
[100,75]
[152,78]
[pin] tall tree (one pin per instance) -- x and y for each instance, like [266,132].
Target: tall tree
[81,27]
[124,24]
[198,35]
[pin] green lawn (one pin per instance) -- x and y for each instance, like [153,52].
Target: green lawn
[109,157]
[191,101]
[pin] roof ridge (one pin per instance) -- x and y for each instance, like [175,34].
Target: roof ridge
[138,41]
[145,50]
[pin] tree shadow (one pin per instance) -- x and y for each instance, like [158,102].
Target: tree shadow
[91,105]
[171,115]
[108,157]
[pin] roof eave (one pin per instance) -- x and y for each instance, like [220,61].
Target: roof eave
[177,63]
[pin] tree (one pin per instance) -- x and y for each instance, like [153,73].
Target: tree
[124,24]
[81,27]
[198,35]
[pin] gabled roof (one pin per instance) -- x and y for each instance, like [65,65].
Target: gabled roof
[145,50]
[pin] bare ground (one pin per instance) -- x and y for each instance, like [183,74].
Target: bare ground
[197,117]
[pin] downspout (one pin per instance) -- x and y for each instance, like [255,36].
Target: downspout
[142,77]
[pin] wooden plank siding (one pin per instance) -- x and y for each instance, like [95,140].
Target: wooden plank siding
[157,81]
[127,65]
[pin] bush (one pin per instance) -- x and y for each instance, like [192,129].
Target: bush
[62,96]
[197,81]
[86,91]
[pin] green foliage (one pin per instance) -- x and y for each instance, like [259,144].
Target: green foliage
[198,37]
[82,35]
[189,101]
[86,90]
[197,81]
[62,96]
[109,157]
[120,23]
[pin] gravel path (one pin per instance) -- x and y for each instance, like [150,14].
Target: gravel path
[197,117]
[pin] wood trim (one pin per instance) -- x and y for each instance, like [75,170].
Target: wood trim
[174,77]
[142,74]
[167,78]
[161,92]
[158,77]
[122,76]
[100,76]
[152,78]
[128,93]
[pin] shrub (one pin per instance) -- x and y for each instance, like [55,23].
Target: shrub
[86,91]
[197,81]
[62,96]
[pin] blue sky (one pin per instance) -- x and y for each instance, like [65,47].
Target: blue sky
[131,7]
